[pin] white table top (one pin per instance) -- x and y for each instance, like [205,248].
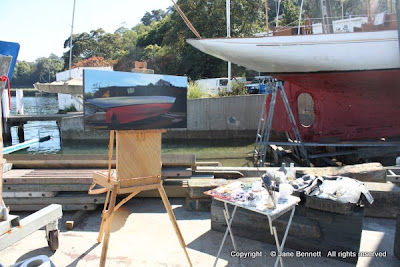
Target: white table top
[271,213]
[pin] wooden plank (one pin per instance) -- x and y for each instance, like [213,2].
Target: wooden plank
[28,194]
[65,207]
[278,152]
[46,187]
[208,163]
[76,219]
[47,117]
[62,198]
[176,172]
[30,224]
[87,161]
[48,180]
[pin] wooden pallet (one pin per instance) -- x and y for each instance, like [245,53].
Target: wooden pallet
[32,189]
[88,161]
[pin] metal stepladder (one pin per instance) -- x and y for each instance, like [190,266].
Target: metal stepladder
[265,127]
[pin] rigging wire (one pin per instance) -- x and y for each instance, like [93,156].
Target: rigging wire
[186,20]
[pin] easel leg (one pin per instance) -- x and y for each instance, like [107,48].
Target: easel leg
[107,226]
[104,216]
[173,220]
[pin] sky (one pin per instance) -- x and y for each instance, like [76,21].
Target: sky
[42,26]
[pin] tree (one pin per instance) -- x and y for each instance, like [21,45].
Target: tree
[155,15]
[22,74]
[42,70]
[94,62]
[46,69]
[291,13]
[95,43]
[208,17]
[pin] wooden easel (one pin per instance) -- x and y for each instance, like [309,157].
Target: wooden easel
[138,168]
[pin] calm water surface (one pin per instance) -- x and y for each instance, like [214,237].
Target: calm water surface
[229,153]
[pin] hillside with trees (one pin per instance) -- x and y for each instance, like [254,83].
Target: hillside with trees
[160,38]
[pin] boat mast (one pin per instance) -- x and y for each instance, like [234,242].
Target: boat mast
[70,41]
[327,26]
[277,13]
[301,13]
[228,35]
[266,16]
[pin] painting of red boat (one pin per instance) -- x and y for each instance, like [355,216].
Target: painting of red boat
[129,101]
[129,109]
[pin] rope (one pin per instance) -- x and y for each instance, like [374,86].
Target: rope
[186,20]
[5,79]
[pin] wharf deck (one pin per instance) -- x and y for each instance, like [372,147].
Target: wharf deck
[32,189]
[41,117]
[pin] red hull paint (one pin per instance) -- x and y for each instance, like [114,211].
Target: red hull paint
[133,113]
[348,105]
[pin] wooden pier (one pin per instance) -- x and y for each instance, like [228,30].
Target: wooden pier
[20,120]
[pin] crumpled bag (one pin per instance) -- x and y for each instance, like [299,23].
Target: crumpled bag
[342,189]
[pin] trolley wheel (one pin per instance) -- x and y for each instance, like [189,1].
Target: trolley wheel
[53,240]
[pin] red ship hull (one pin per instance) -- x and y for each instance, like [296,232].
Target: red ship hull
[347,105]
[126,114]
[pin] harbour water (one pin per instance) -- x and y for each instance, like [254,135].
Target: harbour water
[228,152]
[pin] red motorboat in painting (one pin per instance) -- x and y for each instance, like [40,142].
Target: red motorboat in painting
[341,87]
[127,109]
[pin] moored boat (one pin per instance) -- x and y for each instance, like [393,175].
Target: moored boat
[344,86]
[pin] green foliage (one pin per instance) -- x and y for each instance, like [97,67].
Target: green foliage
[95,43]
[194,91]
[93,62]
[291,12]
[239,89]
[42,70]
[155,15]
[236,89]
[71,108]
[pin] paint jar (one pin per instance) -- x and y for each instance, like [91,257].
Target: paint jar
[285,190]
[291,173]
